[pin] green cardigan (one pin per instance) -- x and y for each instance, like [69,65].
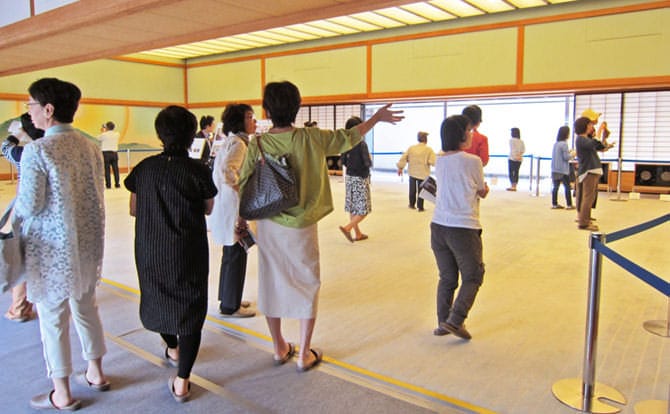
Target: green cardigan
[307,149]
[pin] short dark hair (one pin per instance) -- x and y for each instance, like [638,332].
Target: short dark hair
[453,132]
[63,96]
[563,133]
[281,100]
[581,125]
[233,117]
[176,128]
[30,128]
[206,121]
[352,122]
[109,125]
[473,112]
[516,132]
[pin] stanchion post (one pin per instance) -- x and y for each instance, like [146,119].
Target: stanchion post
[586,395]
[592,319]
[530,175]
[537,178]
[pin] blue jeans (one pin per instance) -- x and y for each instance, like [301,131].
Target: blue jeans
[565,179]
[456,250]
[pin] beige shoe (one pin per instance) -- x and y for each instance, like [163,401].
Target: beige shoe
[240,313]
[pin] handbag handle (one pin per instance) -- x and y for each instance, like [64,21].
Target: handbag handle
[8,212]
[258,142]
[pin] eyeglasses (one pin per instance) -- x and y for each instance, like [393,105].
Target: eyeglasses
[27,105]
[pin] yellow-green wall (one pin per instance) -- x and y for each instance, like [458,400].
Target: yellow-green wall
[618,46]
[462,60]
[432,60]
[333,72]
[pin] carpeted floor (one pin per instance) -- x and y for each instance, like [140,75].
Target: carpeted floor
[377,313]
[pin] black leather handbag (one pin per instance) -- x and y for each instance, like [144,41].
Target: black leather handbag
[271,188]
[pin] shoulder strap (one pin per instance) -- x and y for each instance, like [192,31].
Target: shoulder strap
[8,212]
[260,148]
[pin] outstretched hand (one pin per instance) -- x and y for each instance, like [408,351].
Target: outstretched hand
[385,114]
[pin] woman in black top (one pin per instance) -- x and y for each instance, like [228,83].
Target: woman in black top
[171,193]
[357,201]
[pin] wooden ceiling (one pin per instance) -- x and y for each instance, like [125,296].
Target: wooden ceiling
[95,29]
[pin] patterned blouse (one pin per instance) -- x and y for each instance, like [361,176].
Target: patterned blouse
[60,201]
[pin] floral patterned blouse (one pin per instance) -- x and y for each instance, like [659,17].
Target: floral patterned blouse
[60,201]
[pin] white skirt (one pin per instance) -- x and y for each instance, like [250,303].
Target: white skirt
[288,270]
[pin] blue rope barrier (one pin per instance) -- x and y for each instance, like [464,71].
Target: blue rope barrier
[617,235]
[636,270]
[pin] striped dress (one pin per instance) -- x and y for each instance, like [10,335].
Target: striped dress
[171,250]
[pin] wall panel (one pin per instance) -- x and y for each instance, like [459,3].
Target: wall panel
[335,72]
[463,60]
[616,46]
[236,81]
[110,79]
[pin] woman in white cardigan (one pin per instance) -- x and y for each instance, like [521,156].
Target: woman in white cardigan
[225,222]
[61,205]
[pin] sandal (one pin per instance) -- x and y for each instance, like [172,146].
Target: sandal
[44,402]
[347,234]
[318,357]
[174,363]
[179,398]
[361,237]
[285,358]
[81,379]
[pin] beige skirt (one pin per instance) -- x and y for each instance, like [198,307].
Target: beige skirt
[288,270]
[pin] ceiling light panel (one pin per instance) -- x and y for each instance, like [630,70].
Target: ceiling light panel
[294,33]
[523,4]
[401,15]
[255,37]
[333,27]
[236,40]
[457,7]
[308,28]
[378,20]
[360,25]
[269,34]
[388,18]
[429,12]
[491,6]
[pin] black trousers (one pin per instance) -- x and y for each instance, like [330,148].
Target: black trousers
[231,278]
[414,199]
[111,159]
[513,171]
[189,345]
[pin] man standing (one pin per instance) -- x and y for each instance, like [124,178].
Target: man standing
[480,143]
[109,144]
[419,157]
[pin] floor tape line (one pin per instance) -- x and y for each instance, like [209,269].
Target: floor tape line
[343,365]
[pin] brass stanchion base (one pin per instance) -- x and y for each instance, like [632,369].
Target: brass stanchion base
[652,407]
[660,328]
[569,392]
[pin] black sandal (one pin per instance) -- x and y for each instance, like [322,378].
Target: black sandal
[318,357]
[285,358]
[171,361]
